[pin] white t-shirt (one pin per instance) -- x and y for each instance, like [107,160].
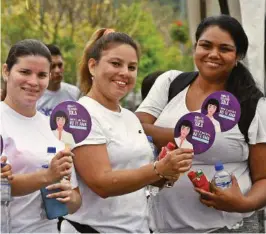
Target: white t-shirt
[127,148]
[51,99]
[25,144]
[178,209]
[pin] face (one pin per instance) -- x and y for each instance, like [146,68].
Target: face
[60,122]
[27,80]
[115,73]
[57,69]
[211,109]
[215,53]
[184,131]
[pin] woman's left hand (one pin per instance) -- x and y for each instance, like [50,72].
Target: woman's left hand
[65,194]
[229,200]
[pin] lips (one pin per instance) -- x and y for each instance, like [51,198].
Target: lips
[121,84]
[212,64]
[33,91]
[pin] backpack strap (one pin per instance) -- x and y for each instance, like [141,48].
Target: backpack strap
[180,83]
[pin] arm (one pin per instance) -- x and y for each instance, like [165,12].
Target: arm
[256,197]
[161,136]
[232,199]
[107,182]
[23,184]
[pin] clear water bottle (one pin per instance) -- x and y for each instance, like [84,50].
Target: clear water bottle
[53,208]
[222,178]
[5,204]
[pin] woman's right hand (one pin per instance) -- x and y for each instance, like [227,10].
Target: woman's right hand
[175,162]
[6,170]
[60,166]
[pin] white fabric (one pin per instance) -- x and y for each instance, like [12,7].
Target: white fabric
[51,99]
[185,143]
[127,148]
[25,144]
[66,137]
[178,208]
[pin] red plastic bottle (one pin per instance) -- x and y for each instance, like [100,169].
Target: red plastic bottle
[199,180]
[169,147]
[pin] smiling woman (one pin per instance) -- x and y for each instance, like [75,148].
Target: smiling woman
[221,43]
[27,135]
[114,161]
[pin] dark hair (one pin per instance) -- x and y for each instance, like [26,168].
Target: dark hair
[24,48]
[60,114]
[54,49]
[98,43]
[186,123]
[214,102]
[240,82]
[148,82]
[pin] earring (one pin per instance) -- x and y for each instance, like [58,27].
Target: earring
[92,78]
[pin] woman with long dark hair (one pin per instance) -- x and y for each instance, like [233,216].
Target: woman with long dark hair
[221,44]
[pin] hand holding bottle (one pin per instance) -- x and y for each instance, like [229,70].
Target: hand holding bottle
[60,165]
[64,191]
[6,169]
[175,162]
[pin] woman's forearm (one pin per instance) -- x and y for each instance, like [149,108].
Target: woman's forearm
[24,184]
[161,136]
[256,197]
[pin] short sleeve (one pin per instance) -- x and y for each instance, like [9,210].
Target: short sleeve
[257,128]
[157,98]
[96,135]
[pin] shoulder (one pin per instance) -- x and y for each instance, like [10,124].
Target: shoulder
[71,89]
[169,76]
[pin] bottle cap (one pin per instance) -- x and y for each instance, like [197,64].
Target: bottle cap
[170,146]
[219,166]
[51,150]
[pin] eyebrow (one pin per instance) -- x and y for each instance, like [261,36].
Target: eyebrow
[121,60]
[227,45]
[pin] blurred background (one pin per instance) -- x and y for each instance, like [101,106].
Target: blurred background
[163,28]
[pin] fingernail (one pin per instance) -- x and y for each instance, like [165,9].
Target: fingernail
[48,196]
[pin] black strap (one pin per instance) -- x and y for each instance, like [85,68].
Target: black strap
[82,228]
[180,83]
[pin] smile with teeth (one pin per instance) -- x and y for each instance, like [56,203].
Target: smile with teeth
[121,83]
[30,90]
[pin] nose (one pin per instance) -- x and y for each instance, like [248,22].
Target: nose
[33,80]
[57,69]
[214,53]
[124,71]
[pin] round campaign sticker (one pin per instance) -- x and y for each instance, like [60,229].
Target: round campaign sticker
[70,122]
[223,109]
[194,131]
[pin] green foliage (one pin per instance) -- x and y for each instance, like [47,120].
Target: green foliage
[70,26]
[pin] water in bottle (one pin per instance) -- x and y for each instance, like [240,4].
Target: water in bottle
[5,204]
[222,179]
[53,207]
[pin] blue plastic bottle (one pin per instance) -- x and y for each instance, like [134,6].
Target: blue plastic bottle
[53,207]
[222,178]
